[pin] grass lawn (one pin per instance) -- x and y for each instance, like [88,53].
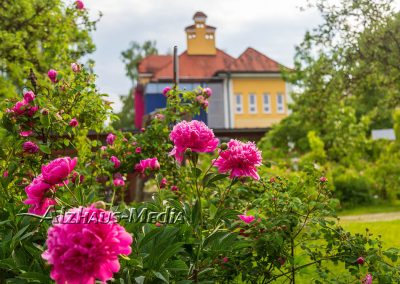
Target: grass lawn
[389,230]
[370,209]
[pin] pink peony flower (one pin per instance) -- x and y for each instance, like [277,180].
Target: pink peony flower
[151,163]
[163,183]
[207,92]
[138,150]
[37,196]
[166,91]
[85,246]
[75,66]
[79,5]
[110,139]
[194,135]
[30,147]
[52,74]
[241,159]
[74,122]
[247,218]
[26,133]
[115,161]
[118,182]
[58,170]
[29,96]
[367,279]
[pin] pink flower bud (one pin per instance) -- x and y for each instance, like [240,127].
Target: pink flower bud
[138,150]
[30,147]
[225,259]
[166,91]
[115,161]
[110,139]
[118,182]
[74,122]
[29,96]
[207,92]
[5,174]
[26,133]
[174,188]
[246,218]
[52,74]
[75,66]
[44,111]
[79,5]
[360,260]
[323,179]
[163,183]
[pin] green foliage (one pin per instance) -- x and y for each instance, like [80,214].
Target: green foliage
[131,57]
[134,54]
[40,35]
[294,224]
[353,187]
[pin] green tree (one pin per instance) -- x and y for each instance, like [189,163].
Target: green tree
[42,35]
[347,77]
[131,57]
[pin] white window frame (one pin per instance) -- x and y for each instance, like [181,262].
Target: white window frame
[280,107]
[238,105]
[252,105]
[267,105]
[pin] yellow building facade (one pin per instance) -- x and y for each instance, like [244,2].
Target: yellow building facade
[258,102]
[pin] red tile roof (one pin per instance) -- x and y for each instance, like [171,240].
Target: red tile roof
[196,66]
[206,66]
[152,63]
[252,60]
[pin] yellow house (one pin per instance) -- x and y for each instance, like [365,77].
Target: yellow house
[248,91]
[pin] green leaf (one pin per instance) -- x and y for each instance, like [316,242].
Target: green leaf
[45,149]
[197,172]
[41,278]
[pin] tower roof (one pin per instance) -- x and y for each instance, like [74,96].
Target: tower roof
[199,14]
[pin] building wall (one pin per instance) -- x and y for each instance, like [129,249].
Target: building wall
[216,106]
[258,87]
[201,44]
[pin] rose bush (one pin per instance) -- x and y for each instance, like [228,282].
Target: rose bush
[234,218]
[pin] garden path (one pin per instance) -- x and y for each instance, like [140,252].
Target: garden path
[375,217]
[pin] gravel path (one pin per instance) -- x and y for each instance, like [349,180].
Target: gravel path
[376,217]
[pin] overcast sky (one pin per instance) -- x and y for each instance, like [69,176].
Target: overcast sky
[273,27]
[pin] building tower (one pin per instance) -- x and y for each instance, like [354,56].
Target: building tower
[200,37]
